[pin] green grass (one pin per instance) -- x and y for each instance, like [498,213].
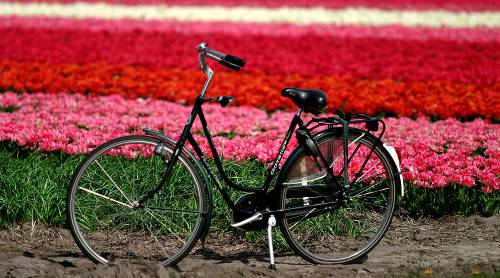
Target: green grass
[33,188]
[453,199]
[134,178]
[32,185]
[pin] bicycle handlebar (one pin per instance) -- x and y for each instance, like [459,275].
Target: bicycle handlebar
[229,61]
[235,60]
[232,62]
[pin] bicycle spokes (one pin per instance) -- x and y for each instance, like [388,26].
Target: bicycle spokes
[331,223]
[107,223]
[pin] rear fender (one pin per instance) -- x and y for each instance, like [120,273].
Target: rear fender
[392,151]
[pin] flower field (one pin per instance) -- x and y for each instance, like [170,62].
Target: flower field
[76,74]
[435,154]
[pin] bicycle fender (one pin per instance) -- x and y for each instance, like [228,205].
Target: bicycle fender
[392,151]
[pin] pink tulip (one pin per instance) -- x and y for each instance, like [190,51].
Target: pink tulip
[433,154]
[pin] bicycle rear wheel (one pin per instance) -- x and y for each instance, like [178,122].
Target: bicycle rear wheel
[100,211]
[347,229]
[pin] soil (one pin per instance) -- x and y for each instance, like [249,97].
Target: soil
[446,247]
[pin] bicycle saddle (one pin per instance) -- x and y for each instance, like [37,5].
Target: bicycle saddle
[312,101]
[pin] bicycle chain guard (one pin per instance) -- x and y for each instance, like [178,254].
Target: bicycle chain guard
[246,206]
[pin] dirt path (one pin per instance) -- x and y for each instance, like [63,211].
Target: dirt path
[448,247]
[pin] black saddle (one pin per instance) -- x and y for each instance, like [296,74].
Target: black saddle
[312,101]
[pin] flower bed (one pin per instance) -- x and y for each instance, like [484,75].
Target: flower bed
[366,57]
[411,99]
[434,154]
[391,70]
[285,14]
[244,29]
[460,5]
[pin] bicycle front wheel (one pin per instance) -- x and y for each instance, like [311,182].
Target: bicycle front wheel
[100,211]
[351,225]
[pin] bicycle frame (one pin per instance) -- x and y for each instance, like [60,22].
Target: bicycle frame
[186,135]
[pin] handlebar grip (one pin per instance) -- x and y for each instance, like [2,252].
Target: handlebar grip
[227,64]
[235,60]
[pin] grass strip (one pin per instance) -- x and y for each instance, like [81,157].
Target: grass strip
[33,188]
[453,199]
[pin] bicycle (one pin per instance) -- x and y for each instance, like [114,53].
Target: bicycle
[333,198]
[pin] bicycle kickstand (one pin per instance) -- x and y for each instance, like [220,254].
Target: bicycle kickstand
[271,222]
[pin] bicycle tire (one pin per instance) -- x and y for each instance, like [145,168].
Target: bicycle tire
[103,188]
[343,233]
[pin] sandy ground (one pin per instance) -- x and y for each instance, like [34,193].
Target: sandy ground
[447,247]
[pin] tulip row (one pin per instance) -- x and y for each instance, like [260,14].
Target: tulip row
[432,98]
[365,57]
[244,29]
[454,5]
[293,15]
[434,154]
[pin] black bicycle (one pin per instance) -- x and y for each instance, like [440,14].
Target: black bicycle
[147,197]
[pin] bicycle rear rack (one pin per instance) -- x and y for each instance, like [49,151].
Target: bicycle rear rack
[345,120]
